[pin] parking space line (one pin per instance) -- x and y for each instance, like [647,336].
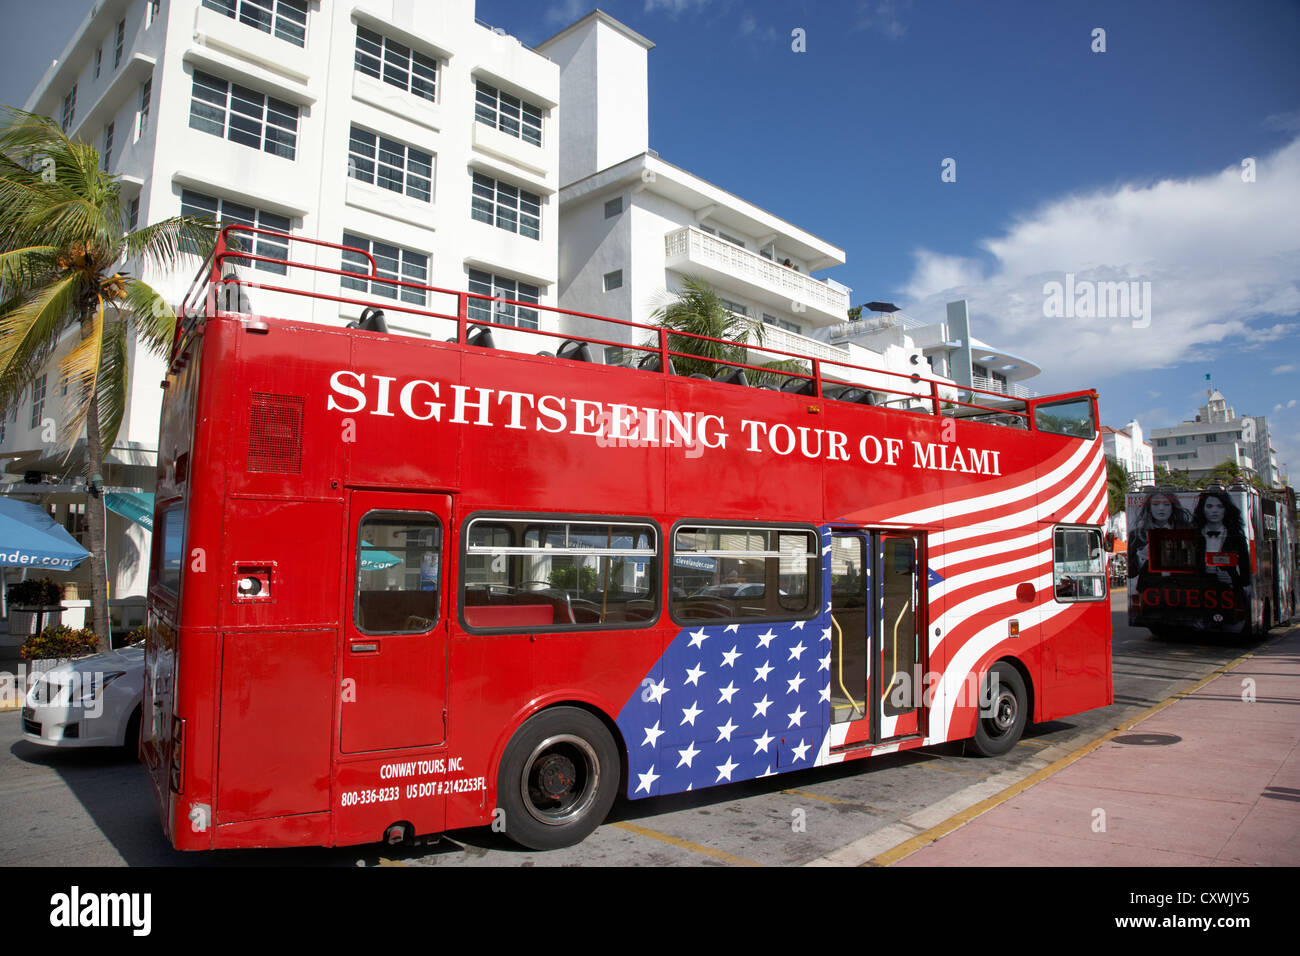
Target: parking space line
[845,803]
[686,844]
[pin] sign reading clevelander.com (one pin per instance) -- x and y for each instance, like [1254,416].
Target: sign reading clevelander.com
[610,423]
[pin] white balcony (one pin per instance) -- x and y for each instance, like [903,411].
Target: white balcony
[692,251]
[1011,388]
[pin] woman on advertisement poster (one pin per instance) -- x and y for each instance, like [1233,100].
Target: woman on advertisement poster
[1223,551]
[1160,510]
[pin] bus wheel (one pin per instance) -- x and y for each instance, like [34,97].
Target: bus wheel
[558,778]
[1004,711]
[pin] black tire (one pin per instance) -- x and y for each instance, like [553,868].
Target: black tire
[558,778]
[131,738]
[1000,725]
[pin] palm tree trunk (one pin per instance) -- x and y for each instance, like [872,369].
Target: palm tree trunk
[95,521]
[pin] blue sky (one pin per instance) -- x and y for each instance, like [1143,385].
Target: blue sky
[1117,165]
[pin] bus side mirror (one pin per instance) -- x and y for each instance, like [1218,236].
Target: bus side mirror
[1110,540]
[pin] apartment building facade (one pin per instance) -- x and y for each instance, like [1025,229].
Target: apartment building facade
[408,130]
[1128,447]
[1218,435]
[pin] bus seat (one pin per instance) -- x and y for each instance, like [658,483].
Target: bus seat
[372,320]
[735,376]
[482,337]
[574,351]
[800,386]
[510,615]
[650,362]
[233,298]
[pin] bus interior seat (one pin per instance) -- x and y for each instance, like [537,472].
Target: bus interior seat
[735,376]
[857,396]
[482,337]
[372,320]
[650,363]
[233,298]
[706,378]
[574,351]
[800,386]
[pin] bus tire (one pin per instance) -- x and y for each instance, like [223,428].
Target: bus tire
[558,778]
[998,729]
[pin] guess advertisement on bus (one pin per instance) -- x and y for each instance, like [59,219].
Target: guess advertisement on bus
[1192,558]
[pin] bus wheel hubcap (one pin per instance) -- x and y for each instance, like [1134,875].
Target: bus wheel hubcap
[560,779]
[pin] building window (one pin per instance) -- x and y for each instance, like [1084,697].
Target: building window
[38,401]
[790,326]
[108,146]
[499,287]
[69,109]
[119,44]
[391,262]
[385,162]
[146,95]
[1162,442]
[225,213]
[133,215]
[152,9]
[1180,440]
[1212,437]
[507,113]
[99,61]
[243,116]
[396,64]
[506,206]
[731,239]
[613,207]
[286,19]
[734,306]
[613,280]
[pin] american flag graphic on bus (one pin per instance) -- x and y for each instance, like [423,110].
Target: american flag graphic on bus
[731,702]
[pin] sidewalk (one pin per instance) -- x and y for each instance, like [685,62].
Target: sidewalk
[1210,777]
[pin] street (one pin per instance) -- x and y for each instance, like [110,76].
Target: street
[94,808]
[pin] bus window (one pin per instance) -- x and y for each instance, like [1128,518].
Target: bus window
[1078,565]
[398,557]
[558,574]
[1173,551]
[743,573]
[173,547]
[1073,417]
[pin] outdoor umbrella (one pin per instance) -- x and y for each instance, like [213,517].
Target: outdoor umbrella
[30,538]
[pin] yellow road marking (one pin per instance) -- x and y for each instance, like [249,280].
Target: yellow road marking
[908,847]
[686,844]
[817,796]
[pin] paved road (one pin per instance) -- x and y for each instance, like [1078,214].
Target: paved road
[91,808]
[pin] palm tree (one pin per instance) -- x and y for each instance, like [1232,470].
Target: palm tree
[697,310]
[63,242]
[1118,484]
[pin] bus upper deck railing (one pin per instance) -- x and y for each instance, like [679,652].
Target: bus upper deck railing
[786,371]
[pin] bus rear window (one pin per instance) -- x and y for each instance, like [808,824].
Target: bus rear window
[1172,550]
[173,547]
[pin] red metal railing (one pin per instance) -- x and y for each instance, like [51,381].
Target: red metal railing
[209,282]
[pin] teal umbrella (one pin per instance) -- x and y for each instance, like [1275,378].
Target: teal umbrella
[375,559]
[30,538]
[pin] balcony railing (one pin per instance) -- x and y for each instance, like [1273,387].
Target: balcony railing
[1006,388]
[781,282]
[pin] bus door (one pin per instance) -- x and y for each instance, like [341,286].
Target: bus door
[851,630]
[394,648]
[877,623]
[901,623]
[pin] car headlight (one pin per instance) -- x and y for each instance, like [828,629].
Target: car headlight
[92,684]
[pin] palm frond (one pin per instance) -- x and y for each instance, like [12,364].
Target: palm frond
[21,267]
[152,318]
[162,243]
[114,379]
[80,370]
[30,327]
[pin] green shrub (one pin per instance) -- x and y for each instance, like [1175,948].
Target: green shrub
[58,641]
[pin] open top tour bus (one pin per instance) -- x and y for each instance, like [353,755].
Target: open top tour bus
[420,573]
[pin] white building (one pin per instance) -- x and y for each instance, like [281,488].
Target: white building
[1215,436]
[407,129]
[635,226]
[1127,446]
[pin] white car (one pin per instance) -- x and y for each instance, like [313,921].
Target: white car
[89,702]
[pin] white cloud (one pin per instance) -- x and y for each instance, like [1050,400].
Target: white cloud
[1283,369]
[1222,257]
[884,16]
[675,7]
[567,11]
[1286,122]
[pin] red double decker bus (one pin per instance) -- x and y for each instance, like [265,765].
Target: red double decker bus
[407,583]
